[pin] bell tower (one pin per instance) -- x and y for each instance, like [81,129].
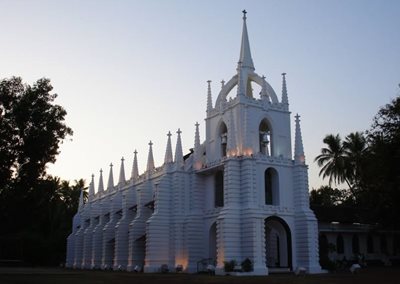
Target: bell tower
[247,123]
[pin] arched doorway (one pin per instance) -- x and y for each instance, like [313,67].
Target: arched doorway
[278,243]
[212,244]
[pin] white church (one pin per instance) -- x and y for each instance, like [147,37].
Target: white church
[240,194]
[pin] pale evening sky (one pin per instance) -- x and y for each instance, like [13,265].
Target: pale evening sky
[129,71]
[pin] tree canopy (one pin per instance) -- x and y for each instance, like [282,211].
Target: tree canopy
[36,210]
[368,164]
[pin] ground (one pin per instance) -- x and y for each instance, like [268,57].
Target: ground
[63,276]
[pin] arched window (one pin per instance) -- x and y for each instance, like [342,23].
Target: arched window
[323,246]
[383,244]
[219,189]
[271,184]
[223,132]
[264,133]
[370,244]
[340,244]
[355,244]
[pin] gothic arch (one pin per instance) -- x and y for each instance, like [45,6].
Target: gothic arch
[278,243]
[219,189]
[221,138]
[340,244]
[271,186]
[212,242]
[253,77]
[265,137]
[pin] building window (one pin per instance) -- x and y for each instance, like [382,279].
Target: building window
[264,133]
[383,244]
[370,244]
[340,244]
[223,132]
[271,186]
[219,189]
[355,244]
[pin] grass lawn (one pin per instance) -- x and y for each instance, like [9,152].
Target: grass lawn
[375,275]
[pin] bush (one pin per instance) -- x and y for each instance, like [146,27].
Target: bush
[247,265]
[229,265]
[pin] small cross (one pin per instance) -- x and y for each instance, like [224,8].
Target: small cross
[169,134]
[179,131]
[197,124]
[135,152]
[283,74]
[223,82]
[101,171]
[122,159]
[244,14]
[111,165]
[150,143]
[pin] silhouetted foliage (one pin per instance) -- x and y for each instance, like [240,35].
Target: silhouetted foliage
[369,165]
[36,210]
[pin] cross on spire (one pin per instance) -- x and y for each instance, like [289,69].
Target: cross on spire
[244,14]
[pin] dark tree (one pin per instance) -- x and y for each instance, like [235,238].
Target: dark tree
[35,209]
[32,128]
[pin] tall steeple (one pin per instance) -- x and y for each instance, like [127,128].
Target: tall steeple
[135,169]
[245,54]
[168,152]
[299,157]
[285,100]
[150,158]
[178,149]
[91,188]
[209,96]
[101,184]
[122,179]
[110,185]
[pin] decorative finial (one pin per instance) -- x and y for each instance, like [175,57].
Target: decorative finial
[178,149]
[111,165]
[222,83]
[150,143]
[244,14]
[263,77]
[135,169]
[168,152]
[209,97]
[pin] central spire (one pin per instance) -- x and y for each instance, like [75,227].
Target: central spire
[245,54]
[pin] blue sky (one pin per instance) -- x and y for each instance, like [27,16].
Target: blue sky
[129,71]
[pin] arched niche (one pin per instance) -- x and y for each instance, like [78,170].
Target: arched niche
[271,186]
[212,243]
[265,137]
[219,189]
[222,137]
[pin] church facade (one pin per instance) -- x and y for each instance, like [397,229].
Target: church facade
[240,194]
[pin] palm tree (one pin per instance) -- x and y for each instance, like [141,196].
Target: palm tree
[355,146]
[333,160]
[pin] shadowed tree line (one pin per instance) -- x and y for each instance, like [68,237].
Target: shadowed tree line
[369,164]
[36,209]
